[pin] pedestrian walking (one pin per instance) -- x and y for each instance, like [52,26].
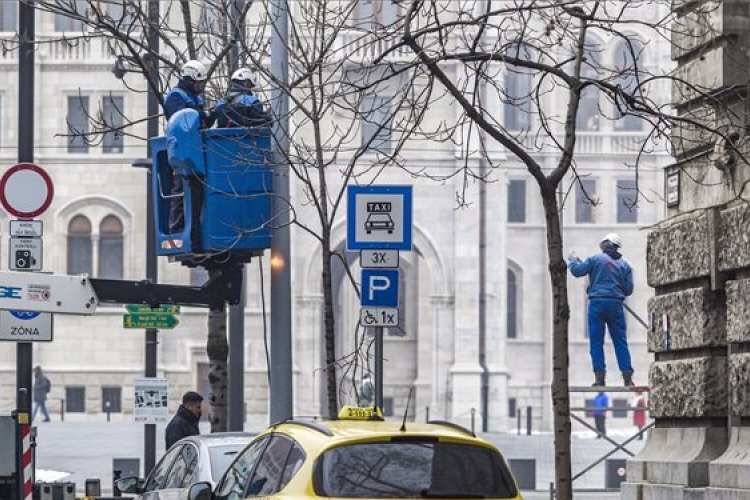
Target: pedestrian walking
[42,386]
[640,403]
[185,422]
[599,410]
[610,281]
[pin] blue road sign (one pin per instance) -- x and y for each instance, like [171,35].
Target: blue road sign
[379,217]
[379,288]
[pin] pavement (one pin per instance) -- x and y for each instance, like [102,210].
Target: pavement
[75,450]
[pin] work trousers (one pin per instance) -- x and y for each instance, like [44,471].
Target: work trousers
[609,313]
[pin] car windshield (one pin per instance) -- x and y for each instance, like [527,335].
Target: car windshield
[221,457]
[426,469]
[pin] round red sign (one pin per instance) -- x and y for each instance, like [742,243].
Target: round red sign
[26,190]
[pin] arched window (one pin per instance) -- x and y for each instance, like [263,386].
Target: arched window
[79,246]
[588,119]
[518,91]
[628,59]
[110,248]
[512,305]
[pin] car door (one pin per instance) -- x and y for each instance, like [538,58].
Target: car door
[182,473]
[157,479]
[234,482]
[281,460]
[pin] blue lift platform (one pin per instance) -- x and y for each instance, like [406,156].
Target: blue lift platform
[230,171]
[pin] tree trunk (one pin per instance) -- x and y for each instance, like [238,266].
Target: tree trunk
[330,333]
[218,352]
[560,357]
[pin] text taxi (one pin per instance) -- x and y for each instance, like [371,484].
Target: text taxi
[360,455]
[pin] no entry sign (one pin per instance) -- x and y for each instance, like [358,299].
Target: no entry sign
[26,190]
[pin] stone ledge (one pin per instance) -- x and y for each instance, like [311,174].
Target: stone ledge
[732,469]
[672,492]
[631,491]
[726,494]
[689,388]
[678,252]
[697,318]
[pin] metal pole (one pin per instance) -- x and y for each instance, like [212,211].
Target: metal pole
[26,29]
[379,367]
[528,420]
[237,312]
[237,359]
[152,109]
[281,279]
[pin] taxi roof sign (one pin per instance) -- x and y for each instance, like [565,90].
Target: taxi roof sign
[349,412]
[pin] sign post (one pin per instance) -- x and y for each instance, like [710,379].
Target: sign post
[379,224]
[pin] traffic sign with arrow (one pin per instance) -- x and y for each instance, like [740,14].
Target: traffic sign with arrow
[149,320]
[142,308]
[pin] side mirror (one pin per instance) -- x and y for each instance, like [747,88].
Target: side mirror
[129,484]
[200,491]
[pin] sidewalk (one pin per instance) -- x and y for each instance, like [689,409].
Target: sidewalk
[77,450]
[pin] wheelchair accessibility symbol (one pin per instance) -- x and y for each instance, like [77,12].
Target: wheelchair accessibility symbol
[385,317]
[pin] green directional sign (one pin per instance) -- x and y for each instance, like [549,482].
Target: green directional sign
[142,308]
[149,320]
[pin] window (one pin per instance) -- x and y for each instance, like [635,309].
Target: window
[588,107]
[112,399]
[181,474]
[517,201]
[628,58]
[627,196]
[512,305]
[267,477]
[512,407]
[112,118]
[78,123]
[158,476]
[110,248]
[376,117]
[518,92]
[620,408]
[9,15]
[123,13]
[374,14]
[585,198]
[79,246]
[75,399]
[65,23]
[232,486]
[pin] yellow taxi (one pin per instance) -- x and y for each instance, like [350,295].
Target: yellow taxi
[360,455]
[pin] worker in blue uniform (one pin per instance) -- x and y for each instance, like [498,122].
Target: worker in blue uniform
[240,108]
[188,95]
[610,281]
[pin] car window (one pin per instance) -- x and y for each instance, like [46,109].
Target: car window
[293,463]
[267,476]
[159,474]
[221,457]
[181,474]
[426,469]
[235,480]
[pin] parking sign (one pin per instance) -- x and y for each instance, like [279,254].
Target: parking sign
[379,288]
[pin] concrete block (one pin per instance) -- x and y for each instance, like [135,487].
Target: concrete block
[734,239]
[688,137]
[671,492]
[689,388]
[678,252]
[705,24]
[739,383]
[631,491]
[732,469]
[715,69]
[697,318]
[738,311]
[684,459]
[726,494]
[652,450]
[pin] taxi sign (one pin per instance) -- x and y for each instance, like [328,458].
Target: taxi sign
[349,412]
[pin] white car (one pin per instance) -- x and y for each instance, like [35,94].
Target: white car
[190,460]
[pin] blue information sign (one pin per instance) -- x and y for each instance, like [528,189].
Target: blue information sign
[379,217]
[379,288]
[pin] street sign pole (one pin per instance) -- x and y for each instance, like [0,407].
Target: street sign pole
[379,367]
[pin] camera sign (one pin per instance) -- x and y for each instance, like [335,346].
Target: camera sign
[25,254]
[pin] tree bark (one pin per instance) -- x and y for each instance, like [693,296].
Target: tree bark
[560,356]
[218,353]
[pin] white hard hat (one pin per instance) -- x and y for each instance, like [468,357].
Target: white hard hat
[195,70]
[244,76]
[613,238]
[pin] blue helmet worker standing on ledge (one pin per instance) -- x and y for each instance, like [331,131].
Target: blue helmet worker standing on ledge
[240,108]
[610,281]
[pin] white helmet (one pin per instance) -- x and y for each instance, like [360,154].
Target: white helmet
[194,70]
[243,75]
[613,238]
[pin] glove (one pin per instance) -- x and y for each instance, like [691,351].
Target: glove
[572,256]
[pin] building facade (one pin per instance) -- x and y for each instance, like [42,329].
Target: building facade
[97,222]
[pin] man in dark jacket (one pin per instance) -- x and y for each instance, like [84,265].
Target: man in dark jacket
[185,421]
